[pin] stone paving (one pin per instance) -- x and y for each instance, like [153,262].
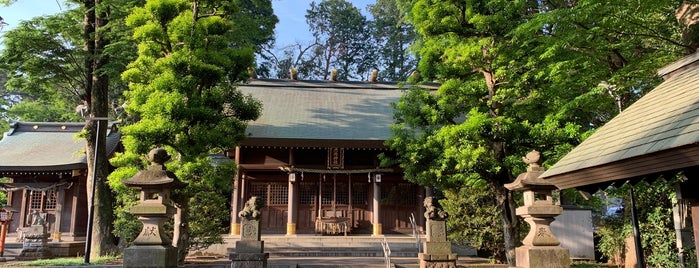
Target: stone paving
[309,262]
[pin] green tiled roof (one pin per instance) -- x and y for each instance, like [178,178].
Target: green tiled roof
[30,146]
[646,133]
[323,110]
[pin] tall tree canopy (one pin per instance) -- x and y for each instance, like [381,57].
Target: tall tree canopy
[43,61]
[57,62]
[346,41]
[394,36]
[342,37]
[182,90]
[521,75]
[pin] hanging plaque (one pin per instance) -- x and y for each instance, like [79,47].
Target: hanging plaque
[336,158]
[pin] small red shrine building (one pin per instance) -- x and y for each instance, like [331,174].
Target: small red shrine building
[313,156]
[47,168]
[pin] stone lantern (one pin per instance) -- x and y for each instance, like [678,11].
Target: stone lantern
[152,248]
[540,247]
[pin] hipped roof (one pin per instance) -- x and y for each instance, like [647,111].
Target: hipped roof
[320,113]
[658,133]
[34,147]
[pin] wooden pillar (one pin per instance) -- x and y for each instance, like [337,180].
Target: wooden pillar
[377,209]
[292,206]
[334,198]
[686,191]
[24,209]
[59,214]
[350,210]
[74,194]
[695,225]
[73,211]
[321,179]
[235,195]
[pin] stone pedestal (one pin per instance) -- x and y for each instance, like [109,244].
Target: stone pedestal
[250,230]
[249,251]
[150,256]
[248,260]
[35,244]
[249,246]
[437,250]
[542,257]
[437,260]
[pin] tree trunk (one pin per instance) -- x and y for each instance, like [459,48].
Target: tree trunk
[98,84]
[506,203]
[180,238]
[88,40]
[510,224]
[689,29]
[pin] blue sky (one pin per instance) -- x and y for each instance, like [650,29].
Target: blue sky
[290,29]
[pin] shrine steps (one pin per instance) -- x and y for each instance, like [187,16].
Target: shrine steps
[282,246]
[339,252]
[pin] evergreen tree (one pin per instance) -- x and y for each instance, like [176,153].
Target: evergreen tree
[182,91]
[394,36]
[517,76]
[342,35]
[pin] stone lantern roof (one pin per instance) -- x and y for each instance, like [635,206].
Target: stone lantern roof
[530,180]
[156,176]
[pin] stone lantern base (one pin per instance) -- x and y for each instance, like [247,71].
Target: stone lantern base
[437,260]
[35,244]
[150,256]
[543,257]
[248,260]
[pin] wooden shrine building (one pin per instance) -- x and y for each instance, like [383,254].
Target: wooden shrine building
[47,170]
[313,156]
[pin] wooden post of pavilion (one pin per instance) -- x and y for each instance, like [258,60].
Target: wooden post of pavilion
[60,191]
[292,206]
[235,195]
[334,201]
[350,215]
[377,208]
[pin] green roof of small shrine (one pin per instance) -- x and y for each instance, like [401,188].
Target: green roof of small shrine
[34,146]
[658,133]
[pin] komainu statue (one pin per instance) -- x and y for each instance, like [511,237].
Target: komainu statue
[251,211]
[432,212]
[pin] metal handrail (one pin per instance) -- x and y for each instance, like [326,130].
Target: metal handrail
[386,252]
[416,234]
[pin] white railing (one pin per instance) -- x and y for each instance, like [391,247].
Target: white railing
[416,234]
[386,252]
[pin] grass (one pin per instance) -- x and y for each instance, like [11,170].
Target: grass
[578,264]
[77,261]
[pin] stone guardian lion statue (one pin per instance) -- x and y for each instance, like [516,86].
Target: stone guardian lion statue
[251,211]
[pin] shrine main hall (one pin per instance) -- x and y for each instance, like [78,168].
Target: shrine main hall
[313,156]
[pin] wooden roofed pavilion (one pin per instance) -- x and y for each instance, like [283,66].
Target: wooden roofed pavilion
[658,134]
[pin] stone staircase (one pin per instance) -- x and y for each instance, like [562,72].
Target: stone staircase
[335,251]
[340,246]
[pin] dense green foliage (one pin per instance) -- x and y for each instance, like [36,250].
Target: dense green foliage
[517,76]
[472,214]
[654,203]
[182,93]
[43,63]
